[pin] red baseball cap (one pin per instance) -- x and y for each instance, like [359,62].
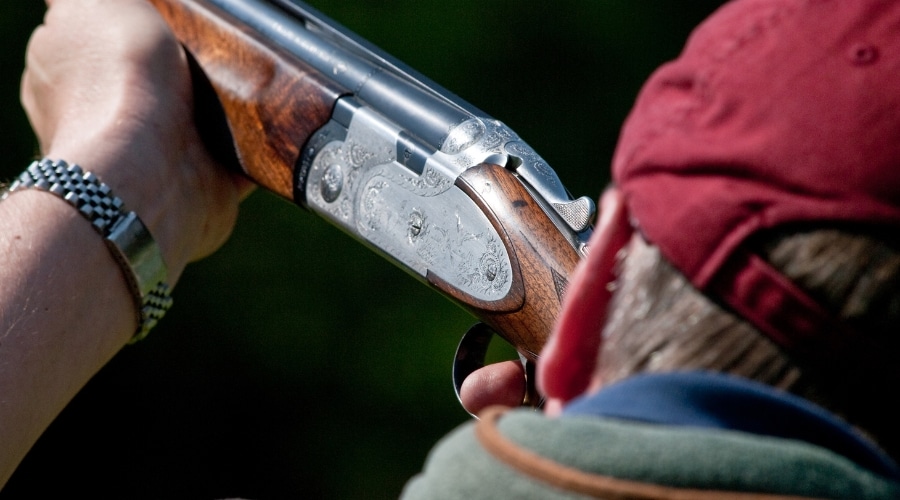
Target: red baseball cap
[777,113]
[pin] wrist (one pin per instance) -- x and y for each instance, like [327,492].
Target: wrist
[125,235]
[168,192]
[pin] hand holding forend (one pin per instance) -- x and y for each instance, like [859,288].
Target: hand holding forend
[450,194]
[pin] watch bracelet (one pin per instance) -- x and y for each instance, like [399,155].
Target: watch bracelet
[126,236]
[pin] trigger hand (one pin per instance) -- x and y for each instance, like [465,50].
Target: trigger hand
[496,384]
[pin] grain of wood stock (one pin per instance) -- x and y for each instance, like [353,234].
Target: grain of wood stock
[272,101]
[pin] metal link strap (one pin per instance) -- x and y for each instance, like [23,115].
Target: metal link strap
[127,237]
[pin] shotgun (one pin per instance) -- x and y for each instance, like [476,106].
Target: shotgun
[326,120]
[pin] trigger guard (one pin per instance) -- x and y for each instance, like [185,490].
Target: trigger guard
[470,355]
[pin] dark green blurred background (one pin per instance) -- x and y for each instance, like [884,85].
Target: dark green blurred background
[295,362]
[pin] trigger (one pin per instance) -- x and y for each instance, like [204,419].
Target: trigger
[532,397]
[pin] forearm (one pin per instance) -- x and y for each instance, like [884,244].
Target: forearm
[65,310]
[106,87]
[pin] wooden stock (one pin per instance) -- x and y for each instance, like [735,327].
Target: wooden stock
[542,260]
[271,101]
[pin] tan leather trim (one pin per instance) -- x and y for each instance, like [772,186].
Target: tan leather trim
[571,479]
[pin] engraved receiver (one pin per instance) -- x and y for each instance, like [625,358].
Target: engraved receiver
[450,194]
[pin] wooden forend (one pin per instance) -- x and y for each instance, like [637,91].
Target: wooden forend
[272,102]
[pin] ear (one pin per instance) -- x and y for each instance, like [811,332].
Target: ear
[567,363]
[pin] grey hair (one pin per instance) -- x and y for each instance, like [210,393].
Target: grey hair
[658,322]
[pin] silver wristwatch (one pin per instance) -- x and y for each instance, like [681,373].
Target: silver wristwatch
[126,236]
